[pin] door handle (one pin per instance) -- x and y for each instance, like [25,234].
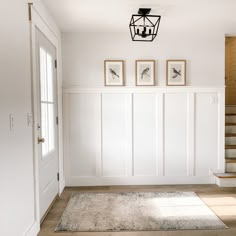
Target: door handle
[41,140]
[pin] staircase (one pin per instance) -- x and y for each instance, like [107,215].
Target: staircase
[228,179]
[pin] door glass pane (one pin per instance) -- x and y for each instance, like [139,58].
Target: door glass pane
[51,127]
[43,74]
[47,102]
[44,127]
[50,78]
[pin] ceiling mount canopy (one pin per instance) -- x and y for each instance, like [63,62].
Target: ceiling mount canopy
[144,27]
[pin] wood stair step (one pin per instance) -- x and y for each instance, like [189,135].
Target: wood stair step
[231,114]
[230,146]
[230,160]
[230,135]
[226,175]
[230,124]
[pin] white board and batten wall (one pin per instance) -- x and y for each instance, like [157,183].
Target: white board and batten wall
[143,135]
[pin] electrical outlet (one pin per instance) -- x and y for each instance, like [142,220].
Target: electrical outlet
[215,171]
[214,100]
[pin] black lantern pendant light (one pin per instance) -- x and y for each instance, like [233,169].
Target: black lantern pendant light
[144,27]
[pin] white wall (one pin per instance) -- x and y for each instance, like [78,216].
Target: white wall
[84,55]
[141,135]
[16,154]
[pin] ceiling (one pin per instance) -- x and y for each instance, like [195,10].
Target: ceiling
[114,15]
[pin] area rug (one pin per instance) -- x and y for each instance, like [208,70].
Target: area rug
[133,211]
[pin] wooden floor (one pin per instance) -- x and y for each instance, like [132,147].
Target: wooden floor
[221,200]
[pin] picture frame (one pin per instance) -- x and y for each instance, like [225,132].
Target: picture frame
[145,72]
[176,72]
[114,72]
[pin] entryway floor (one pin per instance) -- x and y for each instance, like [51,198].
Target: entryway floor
[220,200]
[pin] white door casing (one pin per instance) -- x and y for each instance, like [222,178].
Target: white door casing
[40,19]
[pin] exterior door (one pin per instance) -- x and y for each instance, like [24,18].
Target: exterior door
[47,122]
[230,71]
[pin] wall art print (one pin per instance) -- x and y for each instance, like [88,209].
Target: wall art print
[145,72]
[176,72]
[114,72]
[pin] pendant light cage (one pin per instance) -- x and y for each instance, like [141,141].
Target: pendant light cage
[144,27]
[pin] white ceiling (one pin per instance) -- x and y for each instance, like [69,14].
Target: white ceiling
[114,15]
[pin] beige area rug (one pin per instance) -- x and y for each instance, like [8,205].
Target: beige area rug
[137,211]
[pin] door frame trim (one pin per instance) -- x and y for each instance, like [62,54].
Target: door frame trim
[39,20]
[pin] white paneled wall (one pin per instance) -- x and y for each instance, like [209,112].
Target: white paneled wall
[206,132]
[116,134]
[83,127]
[143,135]
[175,134]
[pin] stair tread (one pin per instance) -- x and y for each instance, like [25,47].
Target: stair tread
[229,123]
[230,146]
[230,135]
[225,175]
[230,160]
[230,114]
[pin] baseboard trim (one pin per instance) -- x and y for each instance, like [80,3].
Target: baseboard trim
[33,230]
[49,208]
[61,186]
[140,180]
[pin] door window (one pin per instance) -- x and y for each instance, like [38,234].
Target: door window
[47,102]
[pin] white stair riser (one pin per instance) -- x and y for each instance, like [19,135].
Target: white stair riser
[230,141]
[230,109]
[230,153]
[230,129]
[225,182]
[231,167]
[231,119]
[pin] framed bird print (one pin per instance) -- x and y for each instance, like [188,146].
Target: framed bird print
[145,72]
[114,72]
[176,72]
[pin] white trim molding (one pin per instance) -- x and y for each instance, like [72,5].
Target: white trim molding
[33,230]
[123,90]
[138,180]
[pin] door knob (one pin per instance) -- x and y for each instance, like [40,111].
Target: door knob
[41,140]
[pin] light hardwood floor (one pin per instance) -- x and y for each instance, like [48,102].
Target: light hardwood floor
[221,200]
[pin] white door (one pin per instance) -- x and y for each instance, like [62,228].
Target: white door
[47,122]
